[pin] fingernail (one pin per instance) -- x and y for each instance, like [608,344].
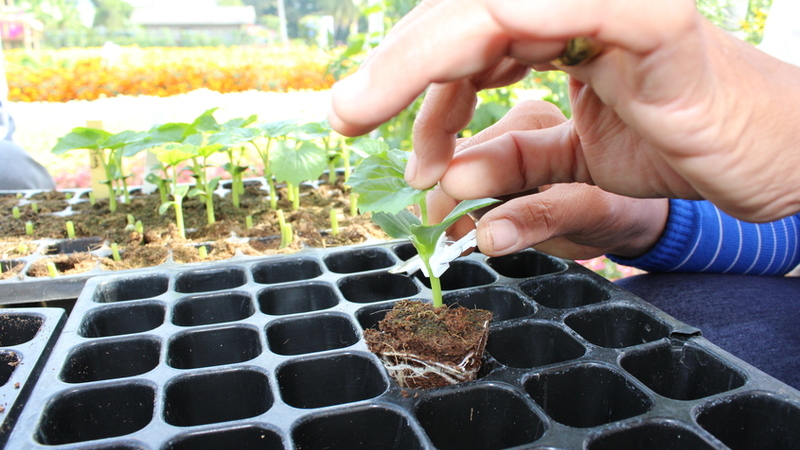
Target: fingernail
[411,168]
[504,234]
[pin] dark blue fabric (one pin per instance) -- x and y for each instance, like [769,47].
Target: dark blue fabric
[754,318]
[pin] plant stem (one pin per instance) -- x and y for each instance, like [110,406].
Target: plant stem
[273,192]
[115,252]
[334,223]
[296,198]
[353,204]
[436,285]
[210,216]
[112,197]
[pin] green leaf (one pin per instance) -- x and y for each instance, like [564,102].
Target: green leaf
[239,122]
[180,191]
[378,180]
[278,129]
[174,155]
[399,225]
[162,209]
[321,129]
[194,192]
[233,137]
[206,123]
[124,138]
[295,166]
[430,234]
[81,138]
[366,146]
[168,132]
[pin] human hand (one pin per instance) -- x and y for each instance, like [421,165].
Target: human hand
[570,220]
[673,107]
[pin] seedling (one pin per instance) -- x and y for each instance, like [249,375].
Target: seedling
[273,132]
[22,248]
[92,198]
[139,227]
[29,228]
[202,252]
[286,229]
[35,207]
[334,223]
[383,191]
[52,270]
[70,229]
[68,196]
[171,156]
[15,212]
[115,252]
[248,222]
[295,161]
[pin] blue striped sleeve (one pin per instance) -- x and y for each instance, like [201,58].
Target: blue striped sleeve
[701,238]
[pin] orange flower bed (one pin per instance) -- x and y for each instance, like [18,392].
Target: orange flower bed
[84,74]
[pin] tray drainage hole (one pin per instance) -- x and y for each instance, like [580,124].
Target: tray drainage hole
[213,347]
[617,326]
[587,396]
[333,380]
[533,344]
[213,308]
[752,421]
[361,260]
[8,363]
[479,418]
[682,373]
[299,298]
[377,287]
[505,304]
[125,289]
[111,359]
[314,333]
[80,245]
[650,435]
[18,328]
[210,280]
[241,437]
[460,275]
[285,271]
[217,396]
[122,319]
[567,291]
[369,427]
[93,413]
[526,264]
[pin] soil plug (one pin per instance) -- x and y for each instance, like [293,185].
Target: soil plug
[70,229]
[115,252]
[29,228]
[35,207]
[248,222]
[52,269]
[202,252]
[15,212]
[334,223]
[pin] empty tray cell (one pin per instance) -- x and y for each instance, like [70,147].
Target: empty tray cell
[526,264]
[369,316]
[210,280]
[532,344]
[405,251]
[8,363]
[568,291]
[18,329]
[587,396]
[286,270]
[11,265]
[218,396]
[479,417]
[109,359]
[617,326]
[377,287]
[131,288]
[241,437]
[91,413]
[369,427]
[753,421]
[118,320]
[218,307]
[460,275]
[505,304]
[683,372]
[213,347]
[79,245]
[333,380]
[360,260]
[297,298]
[314,333]
[661,434]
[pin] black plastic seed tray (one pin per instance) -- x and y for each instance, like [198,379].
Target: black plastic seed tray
[267,353]
[27,335]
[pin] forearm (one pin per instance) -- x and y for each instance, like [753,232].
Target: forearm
[701,238]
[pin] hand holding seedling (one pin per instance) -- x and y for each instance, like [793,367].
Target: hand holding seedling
[378,180]
[673,107]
